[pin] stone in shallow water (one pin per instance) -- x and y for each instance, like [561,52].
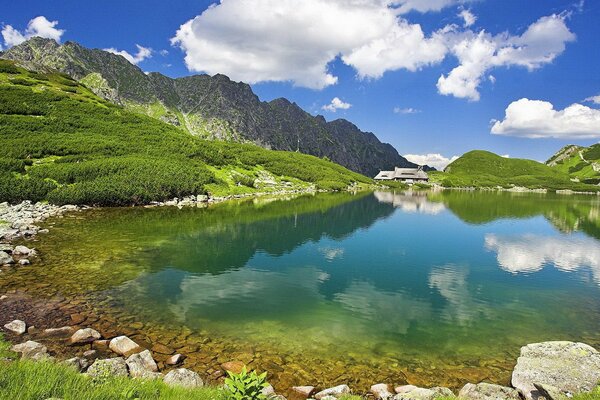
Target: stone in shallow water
[335,391]
[175,359]
[62,332]
[569,367]
[140,364]
[162,349]
[488,391]
[24,261]
[23,251]
[183,377]
[109,367]
[233,366]
[84,336]
[17,327]
[122,345]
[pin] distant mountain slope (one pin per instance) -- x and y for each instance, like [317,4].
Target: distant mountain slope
[582,163]
[480,168]
[211,107]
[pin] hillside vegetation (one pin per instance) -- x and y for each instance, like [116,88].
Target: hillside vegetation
[483,169]
[212,107]
[60,142]
[582,163]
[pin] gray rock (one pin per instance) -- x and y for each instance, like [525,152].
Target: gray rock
[268,391]
[488,391]
[24,261]
[17,327]
[5,258]
[31,350]
[122,345]
[570,367]
[550,392]
[107,368]
[85,336]
[140,364]
[184,378]
[381,391]
[5,247]
[335,391]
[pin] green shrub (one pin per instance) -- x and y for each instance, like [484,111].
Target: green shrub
[246,386]
[8,67]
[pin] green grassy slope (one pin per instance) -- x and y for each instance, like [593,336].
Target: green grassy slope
[64,144]
[480,168]
[582,163]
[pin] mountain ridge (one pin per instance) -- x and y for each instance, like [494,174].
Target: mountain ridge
[213,107]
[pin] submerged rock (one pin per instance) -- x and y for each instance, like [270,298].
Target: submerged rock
[17,327]
[140,364]
[183,377]
[109,367]
[335,391]
[233,366]
[122,345]
[175,359]
[85,336]
[303,391]
[488,391]
[62,332]
[569,367]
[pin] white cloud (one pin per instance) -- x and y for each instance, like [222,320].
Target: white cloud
[432,159]
[164,52]
[336,104]
[410,203]
[142,54]
[468,17]
[424,5]
[492,79]
[539,119]
[477,53]
[407,110]
[38,26]
[593,99]
[531,253]
[286,40]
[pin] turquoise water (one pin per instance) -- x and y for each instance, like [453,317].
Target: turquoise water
[421,287]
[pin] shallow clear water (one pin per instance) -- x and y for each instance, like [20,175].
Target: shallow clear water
[436,288]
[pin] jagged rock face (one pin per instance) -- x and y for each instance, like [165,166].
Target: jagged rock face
[214,107]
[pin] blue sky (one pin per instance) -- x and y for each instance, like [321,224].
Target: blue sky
[376,57]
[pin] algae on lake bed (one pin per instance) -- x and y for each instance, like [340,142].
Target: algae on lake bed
[333,288]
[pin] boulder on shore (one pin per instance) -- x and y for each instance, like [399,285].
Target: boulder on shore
[184,378]
[17,327]
[567,366]
[141,364]
[381,391]
[31,350]
[488,391]
[411,392]
[5,258]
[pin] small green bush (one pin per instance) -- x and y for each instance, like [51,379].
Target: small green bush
[246,386]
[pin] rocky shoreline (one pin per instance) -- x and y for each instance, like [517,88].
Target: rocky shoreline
[549,370]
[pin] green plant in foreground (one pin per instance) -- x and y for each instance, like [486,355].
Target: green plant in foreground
[246,386]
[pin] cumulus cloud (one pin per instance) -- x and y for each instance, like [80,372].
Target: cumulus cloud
[38,26]
[410,203]
[407,110]
[432,159]
[287,40]
[468,18]
[336,104]
[593,99]
[539,119]
[479,52]
[142,54]
[531,253]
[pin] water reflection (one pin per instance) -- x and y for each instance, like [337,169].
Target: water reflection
[410,202]
[531,253]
